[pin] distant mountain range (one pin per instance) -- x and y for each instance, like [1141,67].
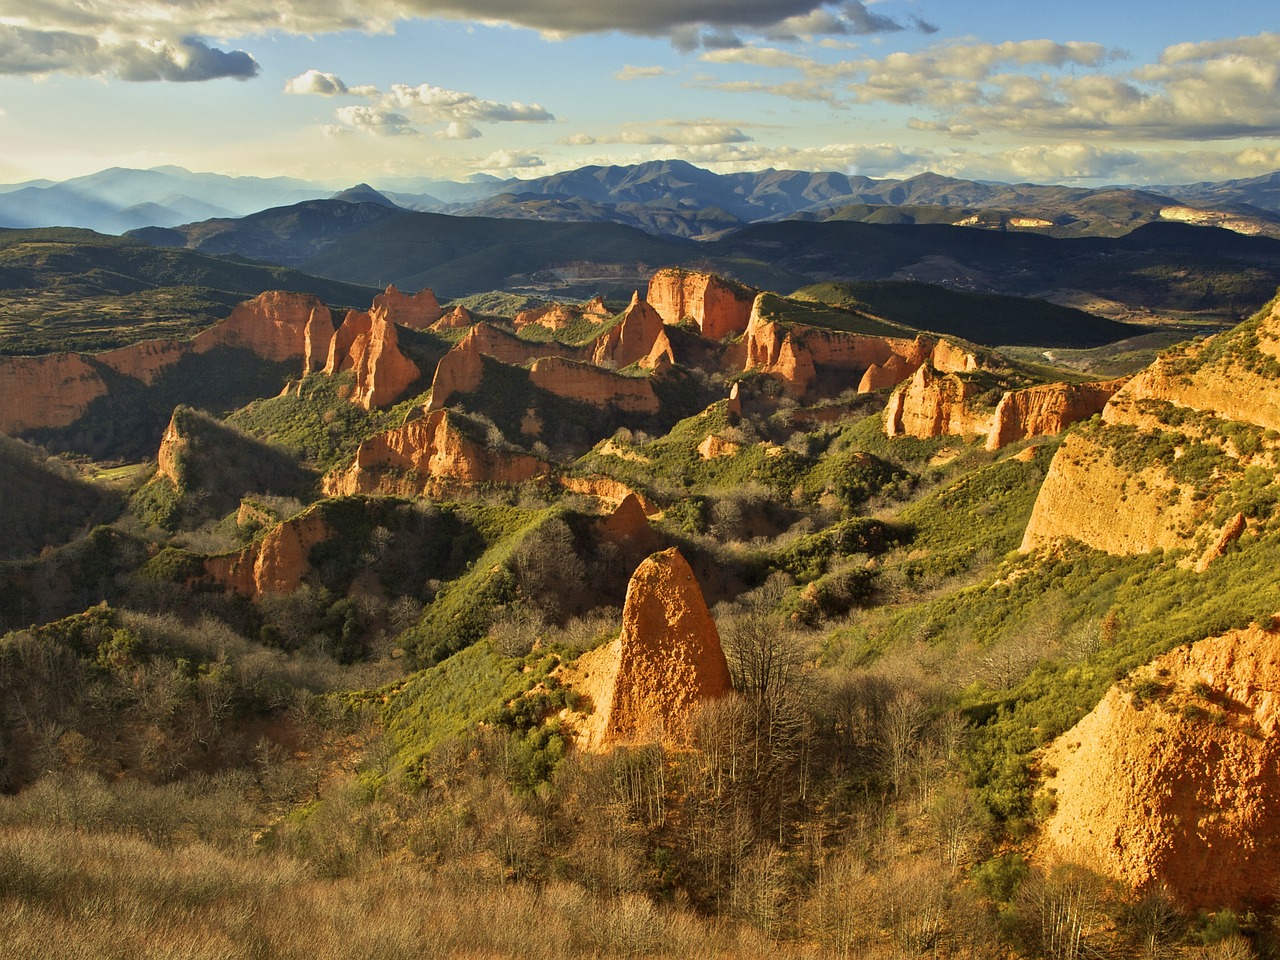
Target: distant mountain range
[668,198]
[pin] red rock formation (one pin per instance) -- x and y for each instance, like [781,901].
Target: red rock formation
[1047,409]
[601,388]
[50,391]
[629,526]
[648,684]
[273,325]
[459,318]
[459,371]
[639,338]
[557,316]
[929,405]
[55,390]
[275,564]
[145,361]
[714,446]
[1180,785]
[719,307]
[888,374]
[609,491]
[367,344]
[1229,535]
[168,458]
[427,454]
[417,311]
[733,406]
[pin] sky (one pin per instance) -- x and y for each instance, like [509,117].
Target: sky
[383,91]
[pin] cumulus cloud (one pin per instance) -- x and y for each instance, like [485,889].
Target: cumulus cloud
[438,103]
[381,123]
[577,140]
[34,52]
[316,83]
[458,130]
[684,133]
[511,160]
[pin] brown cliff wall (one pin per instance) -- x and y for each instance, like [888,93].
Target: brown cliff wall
[1047,409]
[640,337]
[719,307]
[275,564]
[416,311]
[1180,786]
[50,391]
[430,453]
[588,384]
[935,405]
[367,344]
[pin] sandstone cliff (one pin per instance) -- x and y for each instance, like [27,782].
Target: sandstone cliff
[588,384]
[1047,409]
[934,405]
[608,491]
[628,526]
[416,311]
[1161,470]
[367,344]
[50,391]
[1175,775]
[557,316]
[647,685]
[275,564]
[719,307]
[639,338]
[428,454]
[55,390]
[459,318]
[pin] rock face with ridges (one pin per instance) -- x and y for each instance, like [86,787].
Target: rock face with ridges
[719,307]
[47,391]
[647,685]
[609,491]
[427,454]
[367,344]
[272,325]
[275,564]
[1206,398]
[628,525]
[640,338]
[416,311]
[1047,409]
[934,405]
[459,318]
[557,316]
[1181,783]
[55,390]
[588,384]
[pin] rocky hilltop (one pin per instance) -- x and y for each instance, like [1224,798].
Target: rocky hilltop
[1173,445]
[719,307]
[275,564]
[647,685]
[1175,776]
[429,453]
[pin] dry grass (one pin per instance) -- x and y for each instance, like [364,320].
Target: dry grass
[99,895]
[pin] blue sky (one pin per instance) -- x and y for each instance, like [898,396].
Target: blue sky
[374,90]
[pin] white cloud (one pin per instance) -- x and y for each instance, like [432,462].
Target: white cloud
[382,123]
[316,83]
[577,140]
[36,52]
[458,130]
[437,103]
[629,72]
[511,160]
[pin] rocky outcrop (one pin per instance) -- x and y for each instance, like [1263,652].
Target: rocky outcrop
[647,685]
[275,564]
[719,307]
[557,316]
[428,454]
[459,318]
[458,372]
[935,405]
[367,344]
[147,360]
[416,311]
[639,338]
[588,384]
[795,354]
[1229,535]
[272,325]
[609,491]
[628,526]
[48,391]
[714,445]
[1217,399]
[173,446]
[1175,776]
[1047,409]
